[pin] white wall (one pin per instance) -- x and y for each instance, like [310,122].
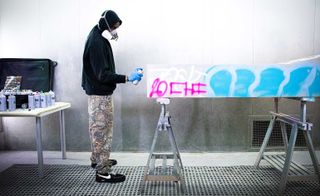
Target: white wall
[188,31]
[159,31]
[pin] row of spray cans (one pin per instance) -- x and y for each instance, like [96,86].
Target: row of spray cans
[35,100]
[11,102]
[41,100]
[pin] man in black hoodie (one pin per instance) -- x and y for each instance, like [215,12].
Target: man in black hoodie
[99,80]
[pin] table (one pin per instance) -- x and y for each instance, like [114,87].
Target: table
[38,113]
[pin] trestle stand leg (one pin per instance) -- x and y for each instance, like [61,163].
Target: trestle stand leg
[165,172]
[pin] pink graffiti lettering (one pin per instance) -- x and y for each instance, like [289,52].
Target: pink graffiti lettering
[156,88]
[160,88]
[177,84]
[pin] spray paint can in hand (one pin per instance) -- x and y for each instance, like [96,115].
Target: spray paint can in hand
[140,71]
[3,102]
[37,100]
[31,102]
[12,102]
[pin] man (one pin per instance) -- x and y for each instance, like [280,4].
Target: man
[99,80]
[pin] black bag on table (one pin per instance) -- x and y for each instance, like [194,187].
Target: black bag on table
[37,74]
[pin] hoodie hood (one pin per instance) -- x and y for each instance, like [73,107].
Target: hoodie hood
[111,17]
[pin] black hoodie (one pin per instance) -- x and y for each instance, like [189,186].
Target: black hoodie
[98,74]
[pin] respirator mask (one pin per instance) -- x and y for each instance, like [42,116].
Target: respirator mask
[110,35]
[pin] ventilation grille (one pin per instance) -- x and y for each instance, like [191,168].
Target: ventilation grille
[260,129]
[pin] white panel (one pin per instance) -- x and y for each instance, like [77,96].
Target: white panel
[161,31]
[59,26]
[63,41]
[317,28]
[20,29]
[283,30]
[1,27]
[184,32]
[228,31]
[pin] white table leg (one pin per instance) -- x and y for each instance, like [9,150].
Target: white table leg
[39,146]
[62,135]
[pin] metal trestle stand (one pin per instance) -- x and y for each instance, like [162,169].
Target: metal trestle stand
[164,172]
[291,171]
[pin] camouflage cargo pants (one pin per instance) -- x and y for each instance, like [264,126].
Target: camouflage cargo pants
[100,110]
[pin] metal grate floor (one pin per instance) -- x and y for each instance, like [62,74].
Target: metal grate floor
[79,180]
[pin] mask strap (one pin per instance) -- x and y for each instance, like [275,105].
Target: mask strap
[104,17]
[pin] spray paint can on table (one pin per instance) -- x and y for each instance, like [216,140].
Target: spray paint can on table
[53,97]
[43,101]
[11,102]
[31,101]
[48,99]
[3,102]
[37,100]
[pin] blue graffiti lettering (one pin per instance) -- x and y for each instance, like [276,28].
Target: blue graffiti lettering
[270,80]
[314,88]
[244,79]
[220,83]
[297,77]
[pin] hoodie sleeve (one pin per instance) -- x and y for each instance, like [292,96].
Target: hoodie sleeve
[101,65]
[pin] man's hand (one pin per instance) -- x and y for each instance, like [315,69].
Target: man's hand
[136,76]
